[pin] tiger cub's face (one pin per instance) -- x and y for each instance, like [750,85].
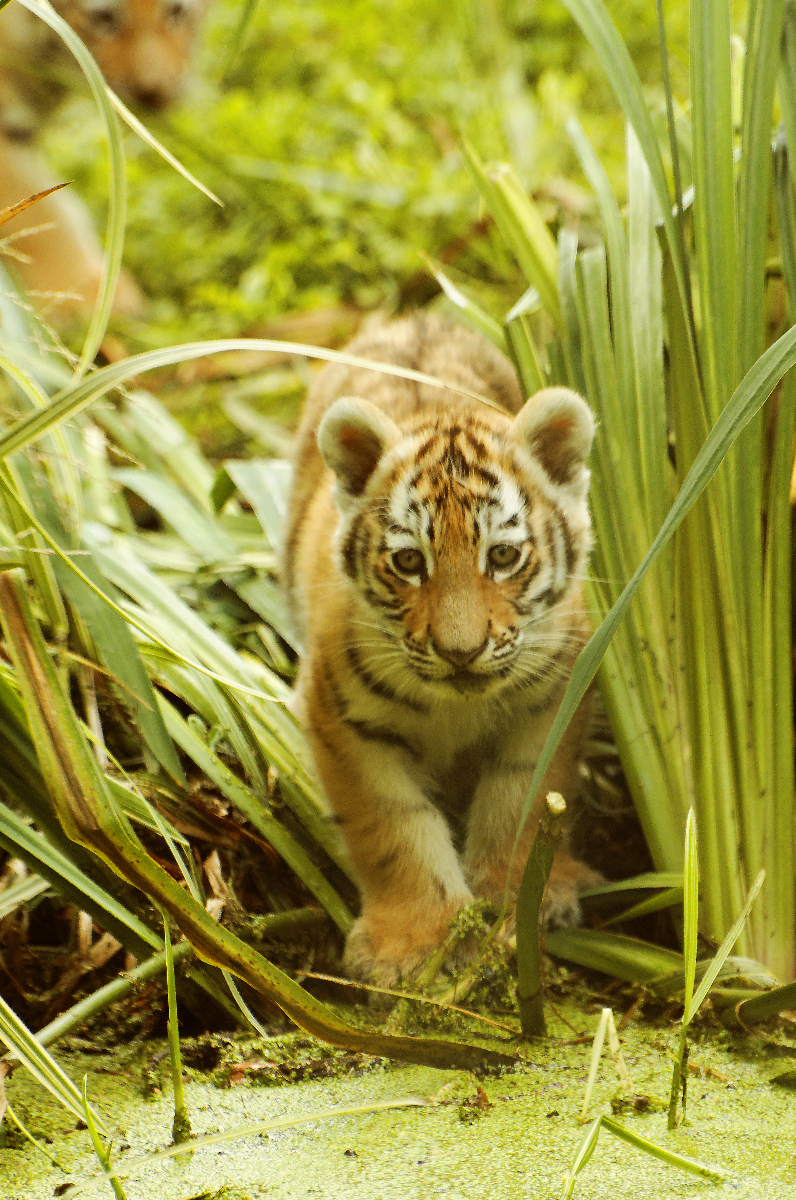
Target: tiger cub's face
[464,535]
[142,47]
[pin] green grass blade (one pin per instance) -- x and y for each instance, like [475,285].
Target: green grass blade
[671,898]
[761,62]
[265,483]
[74,399]
[117,190]
[690,906]
[17,894]
[613,953]
[692,1005]
[582,1155]
[136,1166]
[596,23]
[255,810]
[714,196]
[68,880]
[683,1161]
[520,225]
[524,355]
[41,1064]
[767,1004]
[132,121]
[472,313]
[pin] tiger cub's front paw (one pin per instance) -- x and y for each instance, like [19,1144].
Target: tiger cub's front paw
[560,905]
[389,945]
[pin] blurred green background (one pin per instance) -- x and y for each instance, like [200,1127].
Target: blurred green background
[332,135]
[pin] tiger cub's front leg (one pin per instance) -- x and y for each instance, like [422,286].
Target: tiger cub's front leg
[409,875]
[492,863]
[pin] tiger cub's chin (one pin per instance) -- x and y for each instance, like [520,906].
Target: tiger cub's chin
[434,555]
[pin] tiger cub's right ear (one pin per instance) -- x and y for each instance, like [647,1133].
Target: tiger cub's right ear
[557,426]
[352,438]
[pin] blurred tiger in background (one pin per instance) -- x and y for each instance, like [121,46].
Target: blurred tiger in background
[143,48]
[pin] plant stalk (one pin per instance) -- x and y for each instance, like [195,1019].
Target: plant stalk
[529,903]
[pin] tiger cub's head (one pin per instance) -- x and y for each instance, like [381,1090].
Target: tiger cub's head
[464,533]
[142,47]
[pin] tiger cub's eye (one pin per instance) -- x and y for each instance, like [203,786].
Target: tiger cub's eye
[408,561]
[503,556]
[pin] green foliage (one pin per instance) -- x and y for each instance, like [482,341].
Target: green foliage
[334,143]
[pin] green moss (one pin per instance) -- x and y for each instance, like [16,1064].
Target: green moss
[504,1138]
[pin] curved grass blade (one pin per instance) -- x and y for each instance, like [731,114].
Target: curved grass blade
[613,953]
[103,1153]
[135,1166]
[68,880]
[74,399]
[117,190]
[132,121]
[763,1006]
[24,1047]
[722,953]
[582,1155]
[667,899]
[683,1161]
[21,893]
[472,312]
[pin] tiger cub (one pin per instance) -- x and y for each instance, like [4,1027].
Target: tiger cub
[434,554]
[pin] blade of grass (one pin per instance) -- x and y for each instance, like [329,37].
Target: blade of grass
[683,1161]
[582,1155]
[103,1153]
[135,1166]
[117,190]
[24,1047]
[529,905]
[594,1060]
[690,939]
[74,399]
[614,953]
[521,226]
[181,1126]
[132,121]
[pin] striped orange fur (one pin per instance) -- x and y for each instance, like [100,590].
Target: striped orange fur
[434,555]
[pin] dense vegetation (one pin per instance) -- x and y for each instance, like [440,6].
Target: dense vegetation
[332,135]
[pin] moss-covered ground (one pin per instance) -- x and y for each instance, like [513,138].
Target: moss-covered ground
[497,1138]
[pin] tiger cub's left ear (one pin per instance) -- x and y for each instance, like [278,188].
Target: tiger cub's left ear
[352,438]
[557,426]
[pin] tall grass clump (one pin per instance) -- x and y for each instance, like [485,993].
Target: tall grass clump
[674,328]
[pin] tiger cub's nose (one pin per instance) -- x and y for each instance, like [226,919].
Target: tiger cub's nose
[458,658]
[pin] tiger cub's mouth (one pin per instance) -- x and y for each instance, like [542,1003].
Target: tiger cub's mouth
[468,681]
